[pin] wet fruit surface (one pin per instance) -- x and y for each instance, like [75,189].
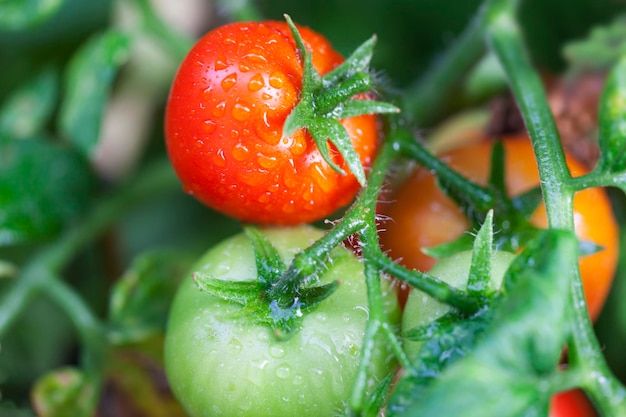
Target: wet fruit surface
[219,363]
[224,123]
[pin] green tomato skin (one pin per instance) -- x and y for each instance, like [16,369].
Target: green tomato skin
[421,308]
[218,364]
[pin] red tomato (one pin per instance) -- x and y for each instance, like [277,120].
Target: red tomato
[572,403]
[224,120]
[422,216]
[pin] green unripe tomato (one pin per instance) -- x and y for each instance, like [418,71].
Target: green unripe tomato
[221,364]
[421,308]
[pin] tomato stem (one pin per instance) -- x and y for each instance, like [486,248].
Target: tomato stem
[558,189]
[425,100]
[479,197]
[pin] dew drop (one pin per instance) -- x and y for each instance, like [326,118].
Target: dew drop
[265,198]
[273,39]
[289,207]
[241,112]
[229,41]
[297,379]
[252,60]
[266,161]
[320,177]
[266,96]
[235,345]
[266,131]
[210,126]
[321,317]
[283,371]
[234,134]
[229,81]
[277,351]
[298,146]
[290,180]
[277,79]
[218,158]
[256,83]
[240,152]
[219,109]
[221,63]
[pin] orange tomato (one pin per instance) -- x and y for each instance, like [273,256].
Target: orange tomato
[422,216]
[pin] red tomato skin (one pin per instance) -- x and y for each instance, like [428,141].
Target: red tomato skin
[223,127]
[423,216]
[572,403]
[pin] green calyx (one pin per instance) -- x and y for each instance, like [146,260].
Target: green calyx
[326,99]
[261,302]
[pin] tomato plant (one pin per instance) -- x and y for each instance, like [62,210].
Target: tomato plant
[422,216]
[103,311]
[221,363]
[224,127]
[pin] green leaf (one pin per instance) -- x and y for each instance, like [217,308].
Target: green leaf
[140,299]
[613,121]
[43,186]
[355,107]
[269,265]
[600,50]
[22,14]
[336,94]
[312,296]
[376,401]
[444,250]
[88,80]
[501,376]
[28,108]
[451,339]
[480,269]
[358,61]
[64,393]
[330,130]
[240,292]
[527,202]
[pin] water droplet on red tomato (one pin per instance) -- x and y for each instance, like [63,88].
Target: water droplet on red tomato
[267,161]
[298,144]
[229,81]
[218,111]
[253,60]
[277,79]
[241,112]
[256,83]
[218,158]
[210,126]
[221,63]
[320,177]
[240,152]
